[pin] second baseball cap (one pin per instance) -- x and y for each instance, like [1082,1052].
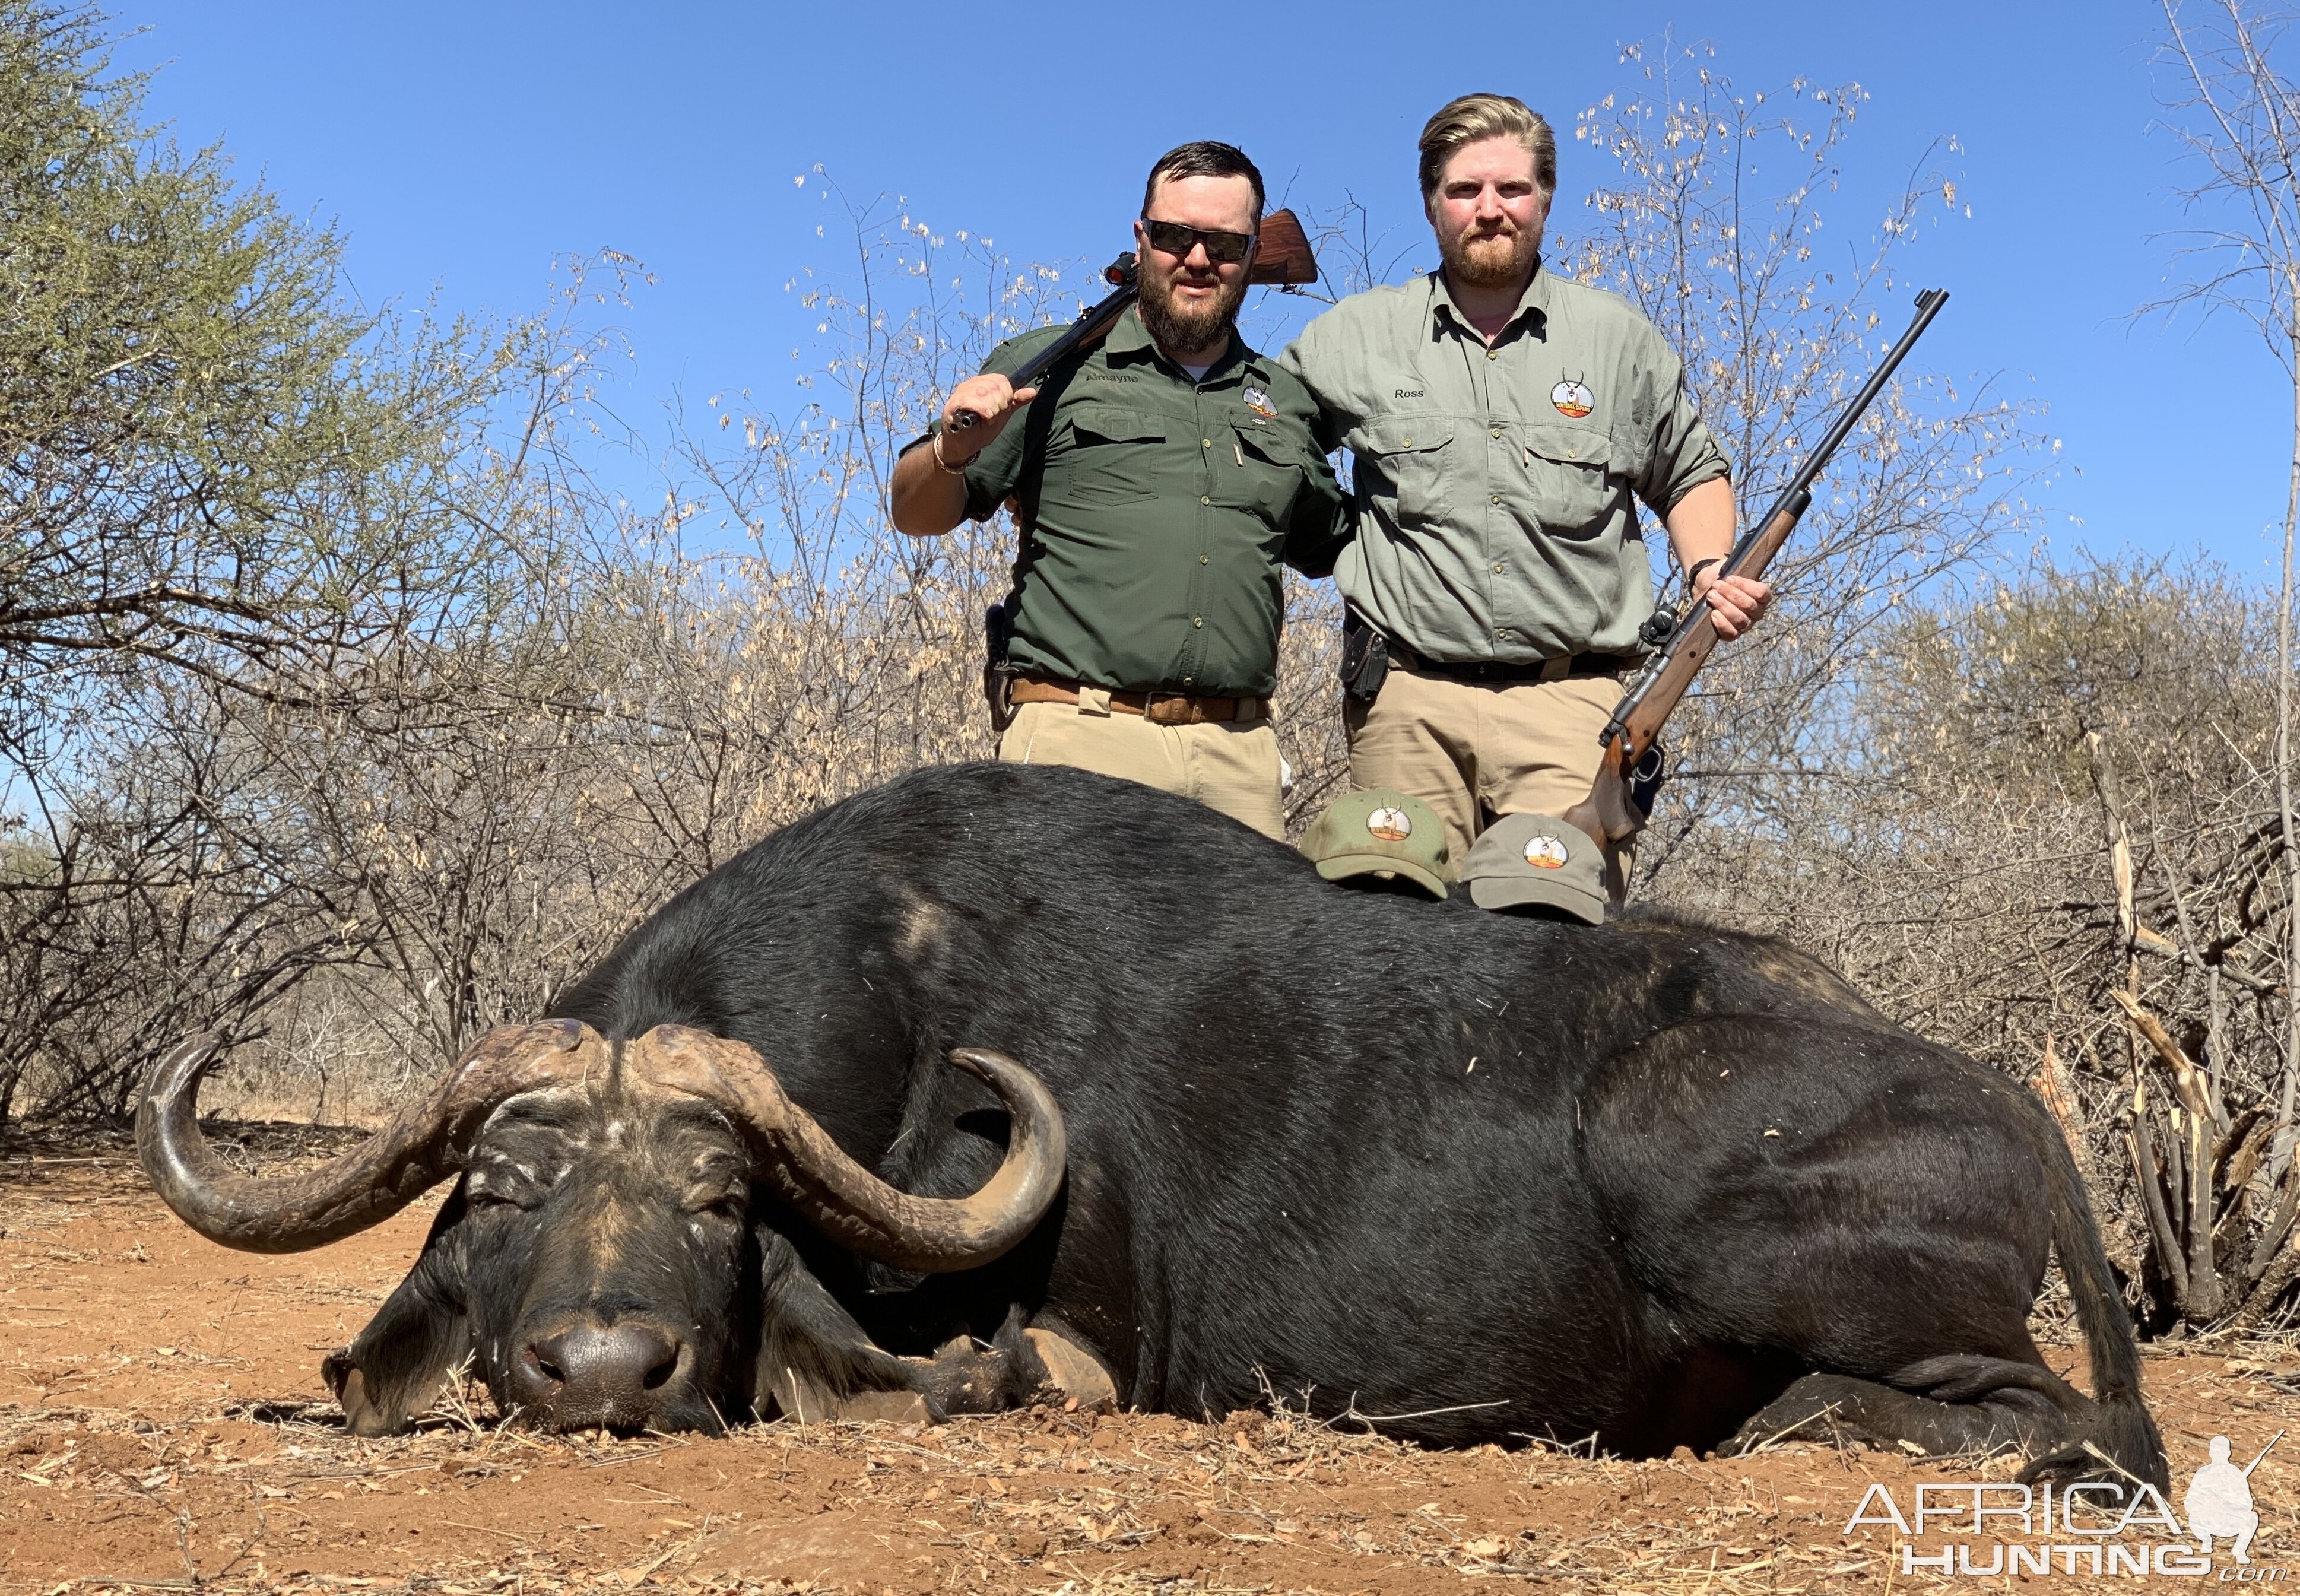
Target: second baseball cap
[1536,860]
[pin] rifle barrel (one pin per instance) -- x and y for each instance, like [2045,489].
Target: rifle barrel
[1928,306]
[1084,330]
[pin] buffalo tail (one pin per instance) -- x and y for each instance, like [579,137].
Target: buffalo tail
[2121,1429]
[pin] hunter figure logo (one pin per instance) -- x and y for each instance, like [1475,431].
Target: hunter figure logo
[1259,403]
[1390,824]
[1546,854]
[2219,1500]
[1573,398]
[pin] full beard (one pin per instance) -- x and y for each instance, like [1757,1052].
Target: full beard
[1493,259]
[1188,330]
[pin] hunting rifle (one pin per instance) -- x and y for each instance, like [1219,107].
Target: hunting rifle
[1282,257]
[1606,814]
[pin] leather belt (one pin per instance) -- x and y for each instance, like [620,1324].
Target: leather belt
[1160,709]
[1506,672]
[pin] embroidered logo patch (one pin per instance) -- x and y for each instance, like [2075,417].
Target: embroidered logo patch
[1259,402]
[1389,825]
[1573,398]
[1545,854]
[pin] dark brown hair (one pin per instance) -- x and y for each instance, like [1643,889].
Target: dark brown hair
[1204,158]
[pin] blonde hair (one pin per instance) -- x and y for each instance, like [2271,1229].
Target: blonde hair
[1472,117]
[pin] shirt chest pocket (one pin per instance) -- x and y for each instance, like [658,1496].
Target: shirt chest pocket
[1113,454]
[1255,470]
[1412,460]
[1575,493]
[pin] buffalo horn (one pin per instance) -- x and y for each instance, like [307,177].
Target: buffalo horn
[853,1206]
[421,1146]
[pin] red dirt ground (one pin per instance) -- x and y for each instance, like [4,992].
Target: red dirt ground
[162,1425]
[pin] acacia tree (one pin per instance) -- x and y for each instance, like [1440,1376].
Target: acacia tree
[207,457]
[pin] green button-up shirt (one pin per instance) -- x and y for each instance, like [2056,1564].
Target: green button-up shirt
[1155,513]
[1492,485]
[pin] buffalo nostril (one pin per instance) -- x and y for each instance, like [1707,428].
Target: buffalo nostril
[609,1370]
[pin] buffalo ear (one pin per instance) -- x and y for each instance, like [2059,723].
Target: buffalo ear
[394,1368]
[815,1362]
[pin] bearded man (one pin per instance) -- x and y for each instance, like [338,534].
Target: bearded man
[1159,481]
[1500,418]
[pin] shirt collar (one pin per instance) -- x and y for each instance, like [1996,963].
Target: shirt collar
[1128,337]
[1129,340]
[1533,302]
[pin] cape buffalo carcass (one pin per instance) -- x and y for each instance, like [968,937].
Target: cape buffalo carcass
[1467,1177]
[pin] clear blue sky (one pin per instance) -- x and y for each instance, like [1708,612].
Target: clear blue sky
[467,145]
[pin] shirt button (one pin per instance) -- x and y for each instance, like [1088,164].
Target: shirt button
[1409,442]
[1493,354]
[1497,432]
[1497,498]
[1497,568]
[1205,442]
[1197,620]
[1205,559]
[1205,498]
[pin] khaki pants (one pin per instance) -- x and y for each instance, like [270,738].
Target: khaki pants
[1475,752]
[1229,765]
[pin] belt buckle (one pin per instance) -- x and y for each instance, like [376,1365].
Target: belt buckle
[1152,698]
[1558,668]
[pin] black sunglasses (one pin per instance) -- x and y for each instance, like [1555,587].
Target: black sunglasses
[1172,237]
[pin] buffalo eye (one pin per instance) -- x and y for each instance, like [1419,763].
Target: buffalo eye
[729,1204]
[490,1190]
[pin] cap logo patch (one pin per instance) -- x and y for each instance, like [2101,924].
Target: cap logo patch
[1573,398]
[1389,825]
[1545,854]
[1259,403]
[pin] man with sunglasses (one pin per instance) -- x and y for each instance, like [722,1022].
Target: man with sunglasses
[1160,480]
[1501,420]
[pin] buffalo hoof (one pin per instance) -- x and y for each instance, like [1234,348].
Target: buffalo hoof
[1019,1369]
[1074,1377]
[964,1377]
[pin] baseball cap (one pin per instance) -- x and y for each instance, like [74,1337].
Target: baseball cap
[1382,834]
[1537,859]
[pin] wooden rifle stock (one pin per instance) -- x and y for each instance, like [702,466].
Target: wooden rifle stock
[1605,815]
[1283,258]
